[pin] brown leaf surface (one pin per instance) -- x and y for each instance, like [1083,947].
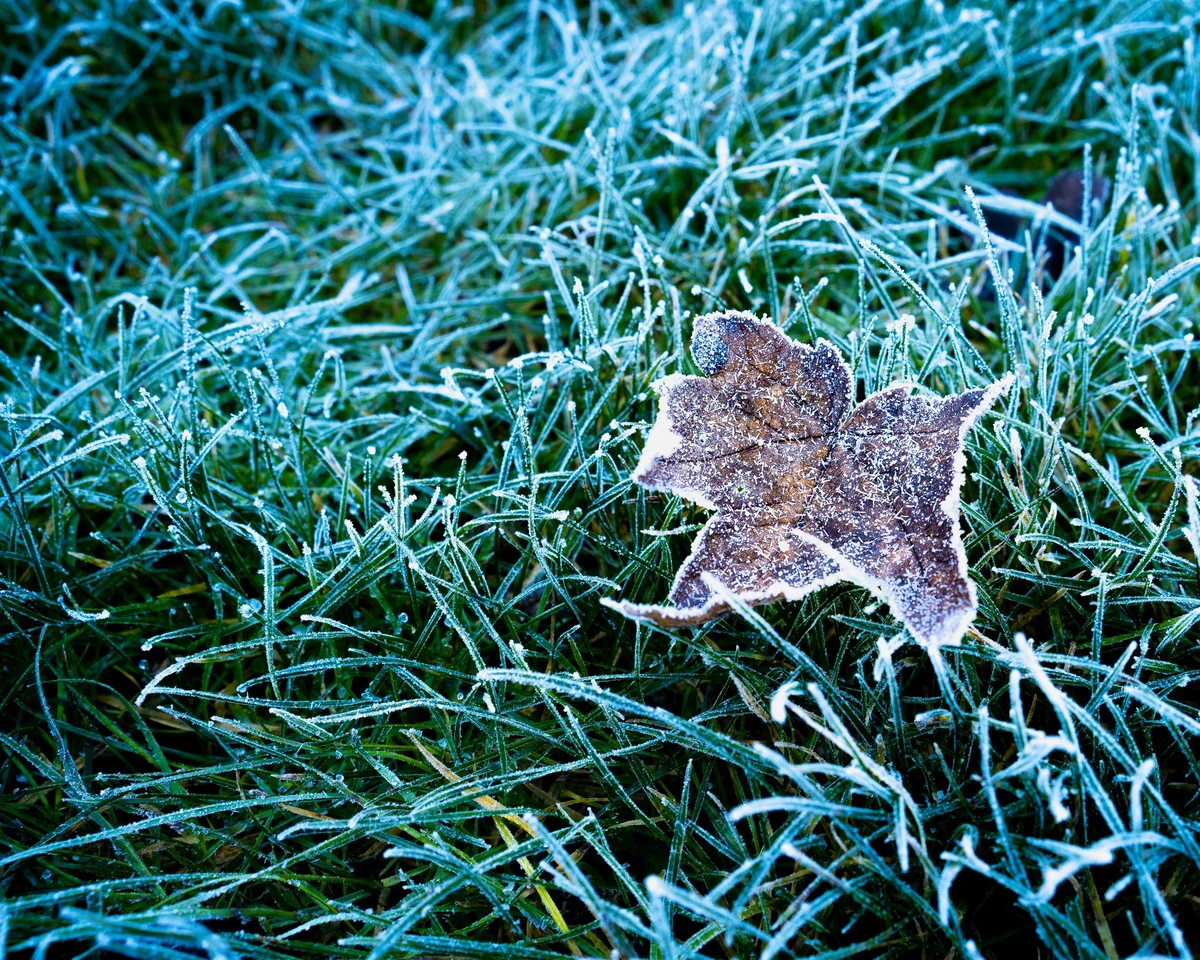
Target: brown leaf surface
[808,489]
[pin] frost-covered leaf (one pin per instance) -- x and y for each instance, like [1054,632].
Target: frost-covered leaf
[808,489]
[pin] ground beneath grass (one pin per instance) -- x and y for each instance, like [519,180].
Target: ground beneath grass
[328,339]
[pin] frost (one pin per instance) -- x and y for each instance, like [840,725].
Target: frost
[781,700]
[810,490]
[83,617]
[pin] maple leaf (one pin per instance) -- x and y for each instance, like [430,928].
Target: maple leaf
[808,489]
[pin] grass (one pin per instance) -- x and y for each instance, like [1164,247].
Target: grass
[329,332]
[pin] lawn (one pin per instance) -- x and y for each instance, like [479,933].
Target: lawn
[328,336]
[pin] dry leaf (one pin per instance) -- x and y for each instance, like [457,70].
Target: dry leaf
[808,489]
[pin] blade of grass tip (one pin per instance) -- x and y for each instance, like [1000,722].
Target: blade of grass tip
[1114,674]
[343,471]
